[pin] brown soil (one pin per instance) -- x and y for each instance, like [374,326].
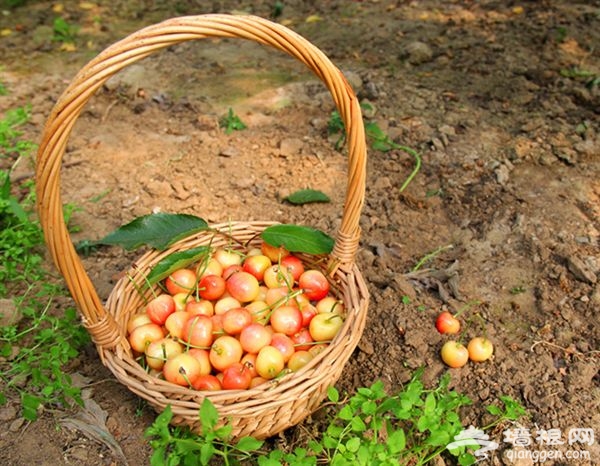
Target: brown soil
[509,187]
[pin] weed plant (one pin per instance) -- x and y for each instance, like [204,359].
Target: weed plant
[371,428]
[35,345]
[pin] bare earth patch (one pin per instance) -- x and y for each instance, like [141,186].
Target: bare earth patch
[509,187]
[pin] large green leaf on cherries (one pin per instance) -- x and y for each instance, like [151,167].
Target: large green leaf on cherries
[297,238]
[175,261]
[307,196]
[158,231]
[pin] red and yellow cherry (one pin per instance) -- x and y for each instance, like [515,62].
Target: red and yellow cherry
[229,271]
[207,382]
[330,304]
[236,319]
[269,362]
[225,351]
[299,359]
[276,277]
[294,265]
[454,354]
[226,303]
[159,351]
[159,308]
[211,287]
[308,312]
[480,349]
[236,377]
[273,252]
[175,323]
[324,327]
[210,267]
[256,381]
[201,356]
[302,339]
[227,257]
[181,281]
[198,331]
[182,369]
[138,319]
[446,323]
[284,344]
[243,286]
[202,307]
[279,296]
[181,300]
[145,334]
[314,283]
[260,311]
[254,337]
[286,319]
[256,265]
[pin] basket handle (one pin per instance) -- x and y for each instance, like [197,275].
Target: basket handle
[136,47]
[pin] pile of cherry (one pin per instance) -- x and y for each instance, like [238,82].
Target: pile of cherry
[235,320]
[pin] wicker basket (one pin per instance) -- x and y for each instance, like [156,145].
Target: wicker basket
[271,407]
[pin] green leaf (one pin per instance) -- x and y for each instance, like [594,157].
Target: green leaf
[346,413]
[424,423]
[494,410]
[363,455]
[466,459]
[296,238]
[223,432]
[272,460]
[430,403]
[249,444]
[357,424]
[369,407]
[307,196]
[396,441]
[158,457]
[30,404]
[353,444]
[175,261]
[513,409]
[333,394]
[207,451]
[438,438]
[208,415]
[160,426]
[315,446]
[155,230]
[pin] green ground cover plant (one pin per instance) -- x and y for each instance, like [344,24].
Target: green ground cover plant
[35,345]
[371,427]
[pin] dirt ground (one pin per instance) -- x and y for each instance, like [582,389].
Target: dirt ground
[493,95]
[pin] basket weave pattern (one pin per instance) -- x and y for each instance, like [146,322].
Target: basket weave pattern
[270,407]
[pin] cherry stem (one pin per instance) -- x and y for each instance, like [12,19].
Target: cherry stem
[313,343]
[466,307]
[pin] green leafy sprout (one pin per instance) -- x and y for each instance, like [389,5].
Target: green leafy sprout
[379,141]
[63,31]
[231,122]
